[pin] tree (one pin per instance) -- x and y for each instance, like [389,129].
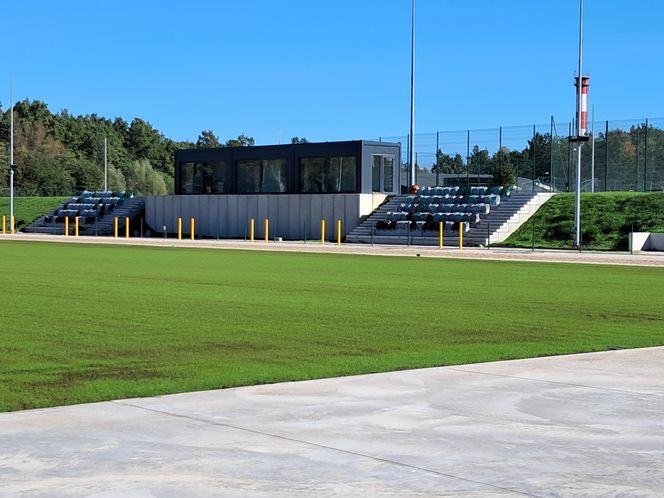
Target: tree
[241,141]
[298,140]
[446,163]
[207,139]
[501,168]
[142,179]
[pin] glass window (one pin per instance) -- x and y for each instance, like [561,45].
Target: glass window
[215,181]
[328,174]
[342,174]
[375,174]
[203,178]
[312,175]
[274,176]
[248,176]
[388,174]
[187,177]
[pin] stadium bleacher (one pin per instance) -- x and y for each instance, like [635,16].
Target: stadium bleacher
[88,206]
[451,206]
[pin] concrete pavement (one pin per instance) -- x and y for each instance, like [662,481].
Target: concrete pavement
[578,425]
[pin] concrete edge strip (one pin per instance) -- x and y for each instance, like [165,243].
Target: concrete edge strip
[322,446]
[555,382]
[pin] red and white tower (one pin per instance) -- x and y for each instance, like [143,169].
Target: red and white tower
[583,101]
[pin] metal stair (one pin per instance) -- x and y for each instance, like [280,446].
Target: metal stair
[130,208]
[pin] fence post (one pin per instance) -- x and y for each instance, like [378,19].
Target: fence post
[460,235]
[127,227]
[12,223]
[66,226]
[76,226]
[645,158]
[339,232]
[4,222]
[179,228]
[251,229]
[322,232]
[488,235]
[631,240]
[532,219]
[267,229]
[192,228]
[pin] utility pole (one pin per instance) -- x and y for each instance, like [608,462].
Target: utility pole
[411,137]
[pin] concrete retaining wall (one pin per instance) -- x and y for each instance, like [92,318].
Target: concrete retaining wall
[292,216]
[646,241]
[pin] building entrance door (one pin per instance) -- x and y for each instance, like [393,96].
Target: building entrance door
[382,174]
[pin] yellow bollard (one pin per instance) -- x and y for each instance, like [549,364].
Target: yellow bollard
[127,227]
[192,224]
[267,229]
[251,229]
[4,222]
[322,232]
[115,227]
[11,223]
[66,226]
[440,234]
[460,235]
[338,232]
[76,226]
[179,228]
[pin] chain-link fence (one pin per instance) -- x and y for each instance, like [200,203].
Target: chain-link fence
[625,155]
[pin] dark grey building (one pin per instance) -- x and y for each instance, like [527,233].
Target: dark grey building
[294,186]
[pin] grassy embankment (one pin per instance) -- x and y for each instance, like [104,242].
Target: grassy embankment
[86,323]
[28,209]
[606,220]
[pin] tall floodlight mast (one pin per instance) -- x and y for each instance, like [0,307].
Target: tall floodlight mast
[411,135]
[582,83]
[11,152]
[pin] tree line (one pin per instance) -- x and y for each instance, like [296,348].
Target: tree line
[60,154]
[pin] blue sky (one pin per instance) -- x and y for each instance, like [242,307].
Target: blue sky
[330,70]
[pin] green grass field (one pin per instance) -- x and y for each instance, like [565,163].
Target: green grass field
[28,209]
[85,323]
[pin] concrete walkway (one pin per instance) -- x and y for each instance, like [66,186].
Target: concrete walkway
[501,254]
[580,425]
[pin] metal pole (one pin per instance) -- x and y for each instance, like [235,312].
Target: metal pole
[534,157]
[11,149]
[569,160]
[592,155]
[437,165]
[606,157]
[105,164]
[552,177]
[579,146]
[645,158]
[411,138]
[638,156]
[468,160]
